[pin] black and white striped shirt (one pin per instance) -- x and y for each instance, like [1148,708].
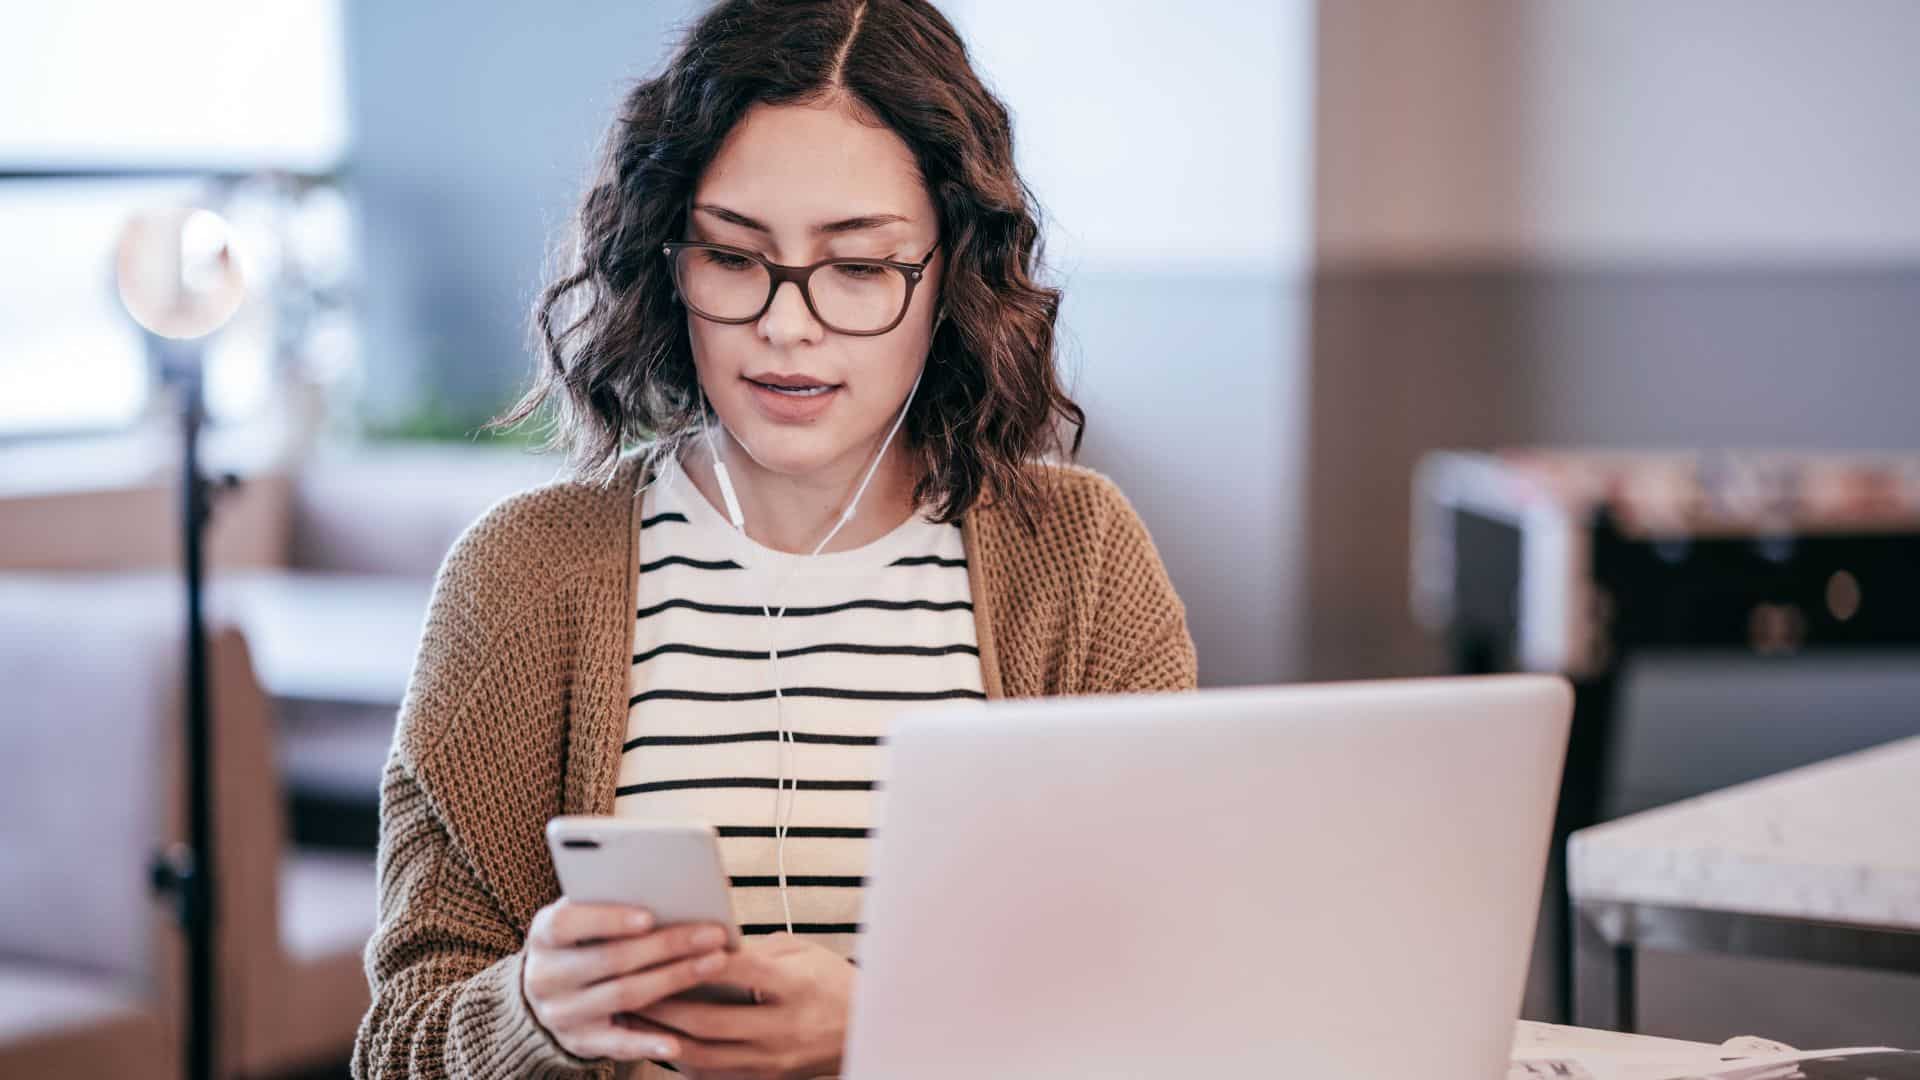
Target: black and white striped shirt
[867,633]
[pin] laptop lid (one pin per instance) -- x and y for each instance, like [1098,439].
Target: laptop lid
[1323,880]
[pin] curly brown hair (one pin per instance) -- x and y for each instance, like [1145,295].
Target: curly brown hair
[613,351]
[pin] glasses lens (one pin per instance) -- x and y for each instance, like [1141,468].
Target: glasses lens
[855,297]
[858,297]
[721,284]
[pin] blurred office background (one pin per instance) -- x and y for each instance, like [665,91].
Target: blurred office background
[1302,245]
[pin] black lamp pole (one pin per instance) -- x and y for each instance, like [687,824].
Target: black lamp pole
[185,871]
[180,279]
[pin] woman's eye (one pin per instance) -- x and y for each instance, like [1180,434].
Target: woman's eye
[860,271]
[726,260]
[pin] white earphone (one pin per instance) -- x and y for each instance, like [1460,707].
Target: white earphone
[738,520]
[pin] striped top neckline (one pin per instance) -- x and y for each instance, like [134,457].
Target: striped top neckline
[677,500]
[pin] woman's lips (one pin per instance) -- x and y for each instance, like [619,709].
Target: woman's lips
[791,408]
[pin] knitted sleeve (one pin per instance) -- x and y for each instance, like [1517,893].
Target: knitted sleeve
[443,964]
[444,960]
[1140,642]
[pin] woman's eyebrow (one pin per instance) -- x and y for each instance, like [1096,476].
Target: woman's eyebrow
[852,224]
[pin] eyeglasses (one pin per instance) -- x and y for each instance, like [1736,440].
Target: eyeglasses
[862,297]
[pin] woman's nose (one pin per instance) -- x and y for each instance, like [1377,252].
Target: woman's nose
[788,320]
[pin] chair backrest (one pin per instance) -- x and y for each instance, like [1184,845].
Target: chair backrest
[348,515]
[135,527]
[91,783]
[90,688]
[251,837]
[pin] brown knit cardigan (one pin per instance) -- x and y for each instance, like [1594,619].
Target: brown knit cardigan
[517,708]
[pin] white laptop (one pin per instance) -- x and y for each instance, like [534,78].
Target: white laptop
[1334,880]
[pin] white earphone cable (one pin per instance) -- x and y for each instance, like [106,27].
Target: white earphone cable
[785,738]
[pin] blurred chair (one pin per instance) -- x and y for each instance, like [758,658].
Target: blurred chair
[87,962]
[92,664]
[327,567]
[318,580]
[335,628]
[394,509]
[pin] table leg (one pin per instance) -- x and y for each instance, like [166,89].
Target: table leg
[1624,979]
[1604,976]
[1590,748]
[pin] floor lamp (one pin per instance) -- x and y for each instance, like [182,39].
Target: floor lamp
[180,280]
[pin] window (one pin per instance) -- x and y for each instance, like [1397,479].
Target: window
[116,106]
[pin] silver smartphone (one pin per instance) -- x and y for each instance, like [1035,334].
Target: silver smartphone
[670,868]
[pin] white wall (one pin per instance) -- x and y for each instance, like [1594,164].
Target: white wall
[1169,145]
[1619,130]
[1160,136]
[1619,223]
[213,83]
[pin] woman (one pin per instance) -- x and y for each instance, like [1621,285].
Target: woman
[839,506]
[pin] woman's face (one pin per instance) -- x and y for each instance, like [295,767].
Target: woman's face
[798,184]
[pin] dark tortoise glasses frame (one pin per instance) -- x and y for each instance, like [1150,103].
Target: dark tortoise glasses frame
[799,275]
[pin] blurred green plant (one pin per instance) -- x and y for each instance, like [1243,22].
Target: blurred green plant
[435,420]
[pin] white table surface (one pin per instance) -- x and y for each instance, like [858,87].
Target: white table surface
[1529,1035]
[1838,841]
[342,638]
[1609,1055]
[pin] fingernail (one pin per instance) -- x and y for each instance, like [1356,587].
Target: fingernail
[708,936]
[710,963]
[663,1049]
[640,920]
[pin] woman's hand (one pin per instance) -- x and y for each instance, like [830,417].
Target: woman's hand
[799,1029]
[587,962]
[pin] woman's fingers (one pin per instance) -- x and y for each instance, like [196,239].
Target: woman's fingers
[715,1023]
[624,1040]
[762,964]
[591,964]
[638,991]
[564,923]
[760,1060]
[586,963]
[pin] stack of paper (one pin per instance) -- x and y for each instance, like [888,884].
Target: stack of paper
[1550,1052]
